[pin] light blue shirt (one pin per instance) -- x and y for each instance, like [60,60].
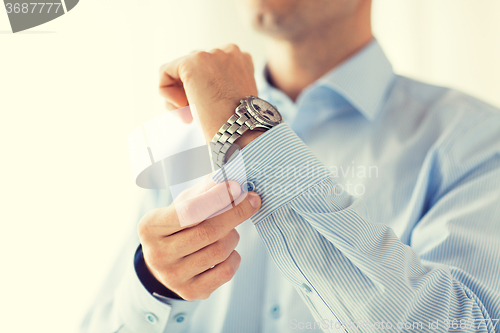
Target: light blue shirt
[380,206]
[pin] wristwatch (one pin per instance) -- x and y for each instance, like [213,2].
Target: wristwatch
[253,112]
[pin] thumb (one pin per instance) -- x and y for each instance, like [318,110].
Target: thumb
[253,204]
[255,200]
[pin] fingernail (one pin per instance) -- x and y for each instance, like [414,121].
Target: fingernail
[254,199]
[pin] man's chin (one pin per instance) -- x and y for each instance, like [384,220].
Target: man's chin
[268,26]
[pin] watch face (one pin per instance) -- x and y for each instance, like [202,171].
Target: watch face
[265,112]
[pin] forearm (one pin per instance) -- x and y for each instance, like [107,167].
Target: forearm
[346,267]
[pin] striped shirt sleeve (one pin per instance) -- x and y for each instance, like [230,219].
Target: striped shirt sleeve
[354,273]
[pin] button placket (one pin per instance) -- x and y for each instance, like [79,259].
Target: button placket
[275,311]
[306,288]
[180,317]
[151,318]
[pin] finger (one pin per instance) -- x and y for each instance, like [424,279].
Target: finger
[207,282]
[204,185]
[165,221]
[216,51]
[184,114]
[169,72]
[209,256]
[236,202]
[174,94]
[201,206]
[169,106]
[157,223]
[192,239]
[247,56]
[171,85]
[248,62]
[247,204]
[231,48]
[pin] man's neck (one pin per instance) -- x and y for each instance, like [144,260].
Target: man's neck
[295,64]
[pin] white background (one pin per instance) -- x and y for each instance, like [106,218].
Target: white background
[73,89]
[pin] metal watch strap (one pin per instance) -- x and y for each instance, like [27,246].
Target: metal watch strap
[238,124]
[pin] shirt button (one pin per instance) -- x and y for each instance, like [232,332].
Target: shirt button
[151,318]
[275,312]
[306,288]
[179,318]
[248,186]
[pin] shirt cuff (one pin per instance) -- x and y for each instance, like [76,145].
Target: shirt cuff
[278,164]
[140,311]
[148,280]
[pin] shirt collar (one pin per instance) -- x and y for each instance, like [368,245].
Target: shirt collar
[363,80]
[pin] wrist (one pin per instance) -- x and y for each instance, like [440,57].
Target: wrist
[244,140]
[248,137]
[252,117]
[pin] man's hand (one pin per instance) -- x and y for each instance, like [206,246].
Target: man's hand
[213,81]
[181,257]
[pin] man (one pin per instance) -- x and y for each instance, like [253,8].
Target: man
[396,227]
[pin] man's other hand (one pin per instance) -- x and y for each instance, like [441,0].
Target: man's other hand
[213,81]
[189,245]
